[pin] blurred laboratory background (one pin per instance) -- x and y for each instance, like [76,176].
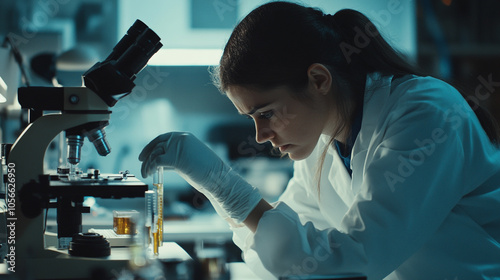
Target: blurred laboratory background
[58,40]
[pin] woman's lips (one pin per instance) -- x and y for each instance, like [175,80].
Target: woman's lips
[284,148]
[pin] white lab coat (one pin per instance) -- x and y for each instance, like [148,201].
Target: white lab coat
[423,201]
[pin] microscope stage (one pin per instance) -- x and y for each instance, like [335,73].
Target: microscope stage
[105,186]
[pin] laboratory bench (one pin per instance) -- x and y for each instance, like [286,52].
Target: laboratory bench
[237,271]
[202,236]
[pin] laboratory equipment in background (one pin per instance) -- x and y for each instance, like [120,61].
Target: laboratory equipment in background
[80,112]
[212,261]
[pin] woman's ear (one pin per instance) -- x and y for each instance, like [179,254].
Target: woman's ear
[320,79]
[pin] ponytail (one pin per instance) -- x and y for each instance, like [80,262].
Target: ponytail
[365,48]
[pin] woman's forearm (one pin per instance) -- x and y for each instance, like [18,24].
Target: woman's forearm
[254,217]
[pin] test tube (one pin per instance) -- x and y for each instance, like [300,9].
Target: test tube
[149,216]
[154,228]
[158,185]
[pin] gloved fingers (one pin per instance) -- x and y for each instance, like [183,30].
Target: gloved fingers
[153,160]
[144,169]
[150,147]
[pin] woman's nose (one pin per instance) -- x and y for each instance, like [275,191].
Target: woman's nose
[263,132]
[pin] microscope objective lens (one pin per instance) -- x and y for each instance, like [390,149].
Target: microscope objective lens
[98,138]
[75,143]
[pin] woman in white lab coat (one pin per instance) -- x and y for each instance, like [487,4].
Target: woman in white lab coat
[395,175]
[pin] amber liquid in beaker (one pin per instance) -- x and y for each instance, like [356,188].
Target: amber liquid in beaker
[122,225]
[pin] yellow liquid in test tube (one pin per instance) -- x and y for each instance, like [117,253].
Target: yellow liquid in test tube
[158,222]
[156,243]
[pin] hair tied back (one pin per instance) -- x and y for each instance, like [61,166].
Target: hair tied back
[331,21]
[328,18]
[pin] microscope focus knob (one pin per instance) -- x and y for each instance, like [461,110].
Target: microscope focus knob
[32,200]
[89,245]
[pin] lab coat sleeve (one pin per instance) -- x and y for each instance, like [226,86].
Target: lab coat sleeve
[301,193]
[412,179]
[304,203]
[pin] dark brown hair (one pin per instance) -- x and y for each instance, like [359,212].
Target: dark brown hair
[276,43]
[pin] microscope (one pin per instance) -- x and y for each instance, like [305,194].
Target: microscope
[79,112]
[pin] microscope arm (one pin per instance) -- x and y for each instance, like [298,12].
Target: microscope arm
[32,145]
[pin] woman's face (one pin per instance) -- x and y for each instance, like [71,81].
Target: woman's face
[290,124]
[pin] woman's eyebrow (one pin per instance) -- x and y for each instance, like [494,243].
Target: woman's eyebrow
[254,109]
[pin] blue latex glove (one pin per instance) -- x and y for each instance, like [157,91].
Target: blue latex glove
[203,169]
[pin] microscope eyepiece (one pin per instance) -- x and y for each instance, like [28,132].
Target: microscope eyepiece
[137,56]
[114,78]
[133,32]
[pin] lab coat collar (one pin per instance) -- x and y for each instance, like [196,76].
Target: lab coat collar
[377,90]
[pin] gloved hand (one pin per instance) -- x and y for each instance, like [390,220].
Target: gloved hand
[203,169]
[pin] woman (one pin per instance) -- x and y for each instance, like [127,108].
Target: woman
[395,175]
